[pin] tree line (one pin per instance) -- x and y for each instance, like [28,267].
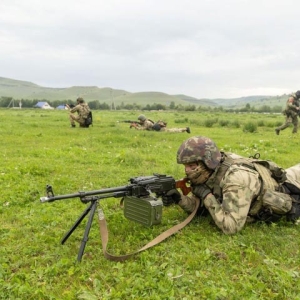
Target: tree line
[6,102]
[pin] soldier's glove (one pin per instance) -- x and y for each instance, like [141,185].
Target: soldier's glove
[201,190]
[172,196]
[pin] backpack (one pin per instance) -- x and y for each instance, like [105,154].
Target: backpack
[158,125]
[272,175]
[85,110]
[89,120]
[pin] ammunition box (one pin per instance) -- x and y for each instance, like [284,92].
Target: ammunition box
[146,210]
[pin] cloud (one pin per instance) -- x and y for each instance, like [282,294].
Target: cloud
[205,49]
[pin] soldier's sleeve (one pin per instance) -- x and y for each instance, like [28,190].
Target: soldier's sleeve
[291,104]
[239,186]
[74,109]
[140,127]
[188,203]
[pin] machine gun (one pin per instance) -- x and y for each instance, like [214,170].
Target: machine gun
[129,121]
[142,200]
[132,123]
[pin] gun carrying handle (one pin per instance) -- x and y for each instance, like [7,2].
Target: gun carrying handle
[181,184]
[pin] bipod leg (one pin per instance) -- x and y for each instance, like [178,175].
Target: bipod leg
[85,238]
[87,210]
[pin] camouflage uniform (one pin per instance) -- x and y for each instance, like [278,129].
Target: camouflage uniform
[146,124]
[82,110]
[186,129]
[291,112]
[238,189]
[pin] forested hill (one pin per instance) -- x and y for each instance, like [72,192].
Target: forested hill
[18,89]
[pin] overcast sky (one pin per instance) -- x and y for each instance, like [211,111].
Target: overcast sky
[200,48]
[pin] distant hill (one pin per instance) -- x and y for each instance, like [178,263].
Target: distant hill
[26,90]
[256,101]
[197,102]
[18,89]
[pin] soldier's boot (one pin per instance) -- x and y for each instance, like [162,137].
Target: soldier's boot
[188,130]
[294,214]
[73,125]
[268,216]
[277,131]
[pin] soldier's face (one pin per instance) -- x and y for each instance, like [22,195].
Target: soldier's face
[190,167]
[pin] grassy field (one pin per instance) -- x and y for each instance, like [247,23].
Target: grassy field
[39,147]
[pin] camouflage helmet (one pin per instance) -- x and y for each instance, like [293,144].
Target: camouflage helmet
[142,118]
[80,100]
[199,148]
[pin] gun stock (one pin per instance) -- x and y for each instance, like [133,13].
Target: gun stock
[181,184]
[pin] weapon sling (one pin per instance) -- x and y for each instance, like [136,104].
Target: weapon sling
[155,241]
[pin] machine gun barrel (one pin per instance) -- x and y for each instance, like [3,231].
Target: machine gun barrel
[109,192]
[130,121]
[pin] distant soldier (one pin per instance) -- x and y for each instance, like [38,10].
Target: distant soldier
[143,123]
[291,112]
[147,124]
[82,110]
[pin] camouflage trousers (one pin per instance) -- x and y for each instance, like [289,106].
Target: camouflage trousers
[289,121]
[293,175]
[173,129]
[76,118]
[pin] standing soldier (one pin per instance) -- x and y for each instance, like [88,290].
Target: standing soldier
[291,112]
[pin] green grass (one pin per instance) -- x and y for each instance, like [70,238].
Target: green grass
[38,148]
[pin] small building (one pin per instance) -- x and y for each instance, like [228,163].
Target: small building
[61,106]
[43,105]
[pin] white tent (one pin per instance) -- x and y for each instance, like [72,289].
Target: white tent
[43,105]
